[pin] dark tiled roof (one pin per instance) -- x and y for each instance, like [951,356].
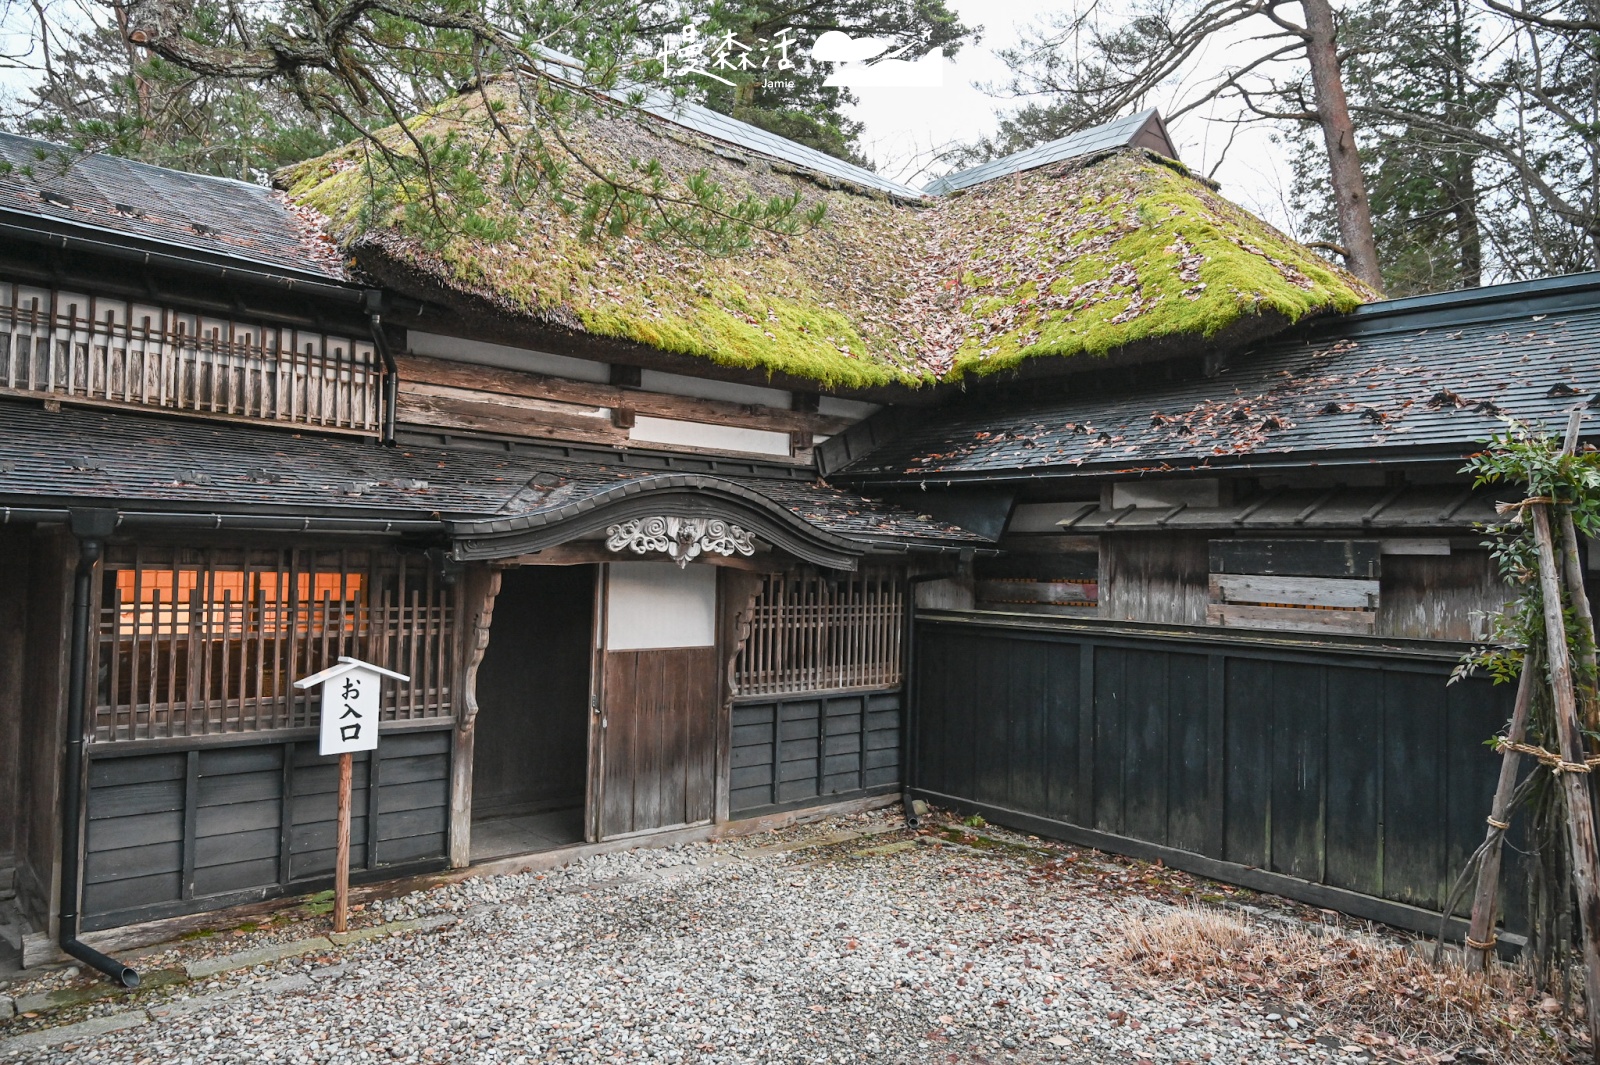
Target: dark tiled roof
[138,461]
[218,216]
[1373,382]
[1126,132]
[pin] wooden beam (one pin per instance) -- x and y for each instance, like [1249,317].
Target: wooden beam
[486,380]
[1343,592]
[581,552]
[1291,618]
[456,412]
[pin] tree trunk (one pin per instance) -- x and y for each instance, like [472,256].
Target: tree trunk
[1580,807]
[1462,183]
[1485,901]
[1344,164]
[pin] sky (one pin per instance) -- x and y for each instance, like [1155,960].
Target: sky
[903,124]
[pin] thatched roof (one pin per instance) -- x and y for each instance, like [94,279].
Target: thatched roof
[1066,262]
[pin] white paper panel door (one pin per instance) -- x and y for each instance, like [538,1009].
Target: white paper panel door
[656,604]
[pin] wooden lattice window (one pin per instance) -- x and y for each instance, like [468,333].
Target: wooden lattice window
[816,633]
[196,642]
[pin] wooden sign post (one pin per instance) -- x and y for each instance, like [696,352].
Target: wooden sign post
[350,709]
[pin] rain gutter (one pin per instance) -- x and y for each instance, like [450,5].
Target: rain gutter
[156,252]
[91,527]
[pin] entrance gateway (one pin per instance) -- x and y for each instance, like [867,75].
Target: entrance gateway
[716,677]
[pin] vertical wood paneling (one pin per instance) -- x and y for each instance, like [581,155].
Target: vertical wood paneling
[1299,745]
[1145,770]
[798,749]
[1247,755]
[660,706]
[1355,771]
[1110,718]
[1188,763]
[177,832]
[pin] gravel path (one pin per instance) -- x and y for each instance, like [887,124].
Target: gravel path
[883,949]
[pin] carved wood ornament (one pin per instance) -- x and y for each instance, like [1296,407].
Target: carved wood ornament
[680,539]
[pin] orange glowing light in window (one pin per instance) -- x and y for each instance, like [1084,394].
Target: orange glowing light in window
[166,602]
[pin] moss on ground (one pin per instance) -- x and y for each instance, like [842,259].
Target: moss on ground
[1071,261]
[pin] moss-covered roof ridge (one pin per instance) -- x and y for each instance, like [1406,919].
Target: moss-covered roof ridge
[1070,261]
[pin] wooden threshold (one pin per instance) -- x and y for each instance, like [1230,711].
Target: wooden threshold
[39,948]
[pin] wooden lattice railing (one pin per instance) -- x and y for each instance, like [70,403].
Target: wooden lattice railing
[816,633]
[196,642]
[94,349]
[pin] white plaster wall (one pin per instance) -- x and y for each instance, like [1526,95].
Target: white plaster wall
[504,356]
[656,604]
[648,430]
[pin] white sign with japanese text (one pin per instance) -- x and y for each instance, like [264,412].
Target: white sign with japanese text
[349,704]
[350,712]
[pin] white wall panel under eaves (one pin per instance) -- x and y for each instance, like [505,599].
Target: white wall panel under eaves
[656,604]
[648,430]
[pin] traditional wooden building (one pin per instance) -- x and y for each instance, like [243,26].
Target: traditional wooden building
[570,488]
[1231,594]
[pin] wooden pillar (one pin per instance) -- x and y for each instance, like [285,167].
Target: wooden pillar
[480,585]
[42,729]
[341,868]
[737,593]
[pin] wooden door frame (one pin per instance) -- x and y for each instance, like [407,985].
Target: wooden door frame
[597,706]
[733,586]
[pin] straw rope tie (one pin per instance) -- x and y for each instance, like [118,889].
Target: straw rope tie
[1556,763]
[1503,826]
[1475,945]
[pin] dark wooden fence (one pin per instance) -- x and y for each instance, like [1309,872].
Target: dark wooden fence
[801,748]
[1343,772]
[177,831]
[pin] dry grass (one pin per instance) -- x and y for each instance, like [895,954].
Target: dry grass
[1368,991]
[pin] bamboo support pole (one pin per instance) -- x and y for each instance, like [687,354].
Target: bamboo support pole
[1480,929]
[1575,784]
[1572,568]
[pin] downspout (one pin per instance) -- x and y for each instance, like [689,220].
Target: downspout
[391,369]
[91,527]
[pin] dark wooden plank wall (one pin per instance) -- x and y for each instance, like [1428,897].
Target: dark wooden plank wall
[660,711]
[802,748]
[1359,772]
[1164,577]
[15,542]
[180,831]
[53,556]
[1155,577]
[1439,597]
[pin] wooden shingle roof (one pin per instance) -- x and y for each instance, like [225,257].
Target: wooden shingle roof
[1431,375]
[185,212]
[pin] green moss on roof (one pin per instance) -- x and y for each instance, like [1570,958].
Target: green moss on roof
[1071,261]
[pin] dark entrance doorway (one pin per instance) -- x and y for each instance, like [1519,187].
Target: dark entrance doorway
[531,759]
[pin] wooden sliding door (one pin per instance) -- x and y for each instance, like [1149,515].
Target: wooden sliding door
[658,739]
[655,736]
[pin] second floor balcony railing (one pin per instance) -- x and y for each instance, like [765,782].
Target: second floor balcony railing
[93,349]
